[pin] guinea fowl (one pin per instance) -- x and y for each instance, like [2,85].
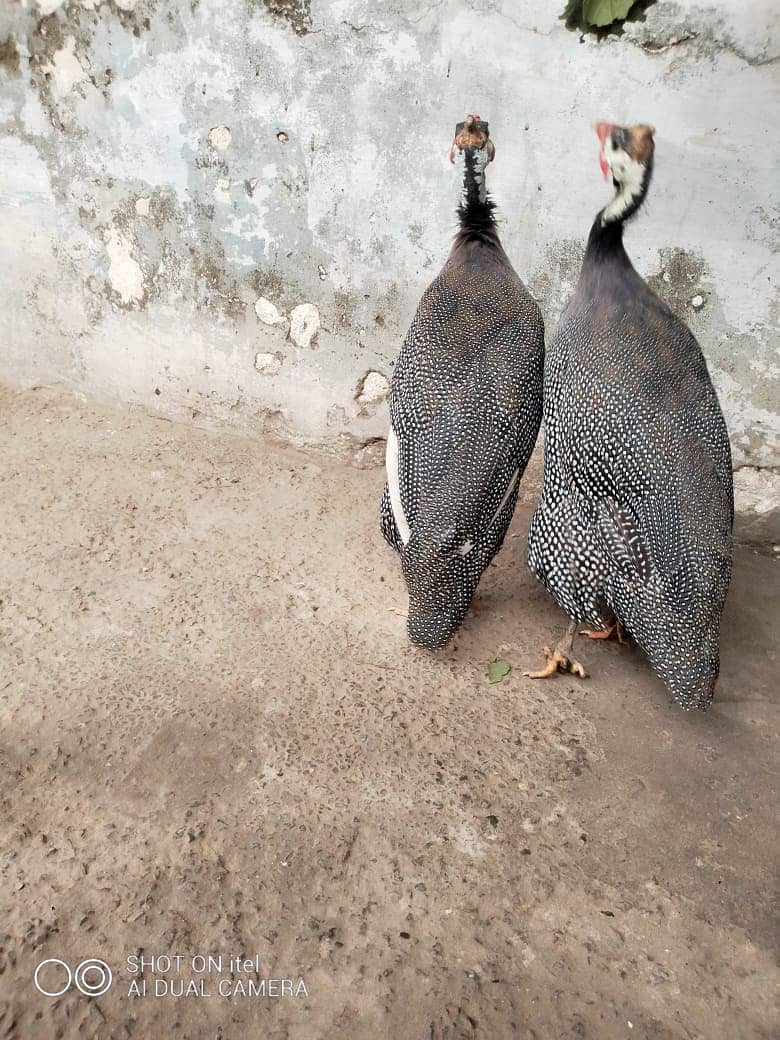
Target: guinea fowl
[633,527]
[465,409]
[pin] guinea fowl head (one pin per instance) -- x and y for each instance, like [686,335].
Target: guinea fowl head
[627,156]
[472,146]
[473,136]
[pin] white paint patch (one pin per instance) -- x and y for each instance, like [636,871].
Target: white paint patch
[219,137]
[267,312]
[394,486]
[742,416]
[375,388]
[144,133]
[402,49]
[34,117]
[222,190]
[756,491]
[65,68]
[48,6]
[124,274]
[248,227]
[304,324]
[142,206]
[7,110]
[757,505]
[268,364]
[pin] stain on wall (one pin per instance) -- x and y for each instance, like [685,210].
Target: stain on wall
[296,12]
[231,219]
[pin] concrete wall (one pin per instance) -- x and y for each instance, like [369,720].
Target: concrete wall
[190,189]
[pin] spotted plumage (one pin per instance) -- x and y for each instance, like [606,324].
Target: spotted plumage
[465,409]
[634,521]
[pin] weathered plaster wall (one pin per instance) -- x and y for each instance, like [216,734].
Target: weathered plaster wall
[227,211]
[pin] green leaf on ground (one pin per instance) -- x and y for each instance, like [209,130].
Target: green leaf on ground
[493,821]
[497,669]
[604,12]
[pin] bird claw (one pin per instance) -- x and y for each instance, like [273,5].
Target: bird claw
[605,633]
[557,662]
[548,670]
[398,611]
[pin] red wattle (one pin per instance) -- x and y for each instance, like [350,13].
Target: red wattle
[603,130]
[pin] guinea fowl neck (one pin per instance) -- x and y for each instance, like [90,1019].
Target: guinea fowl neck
[605,242]
[475,211]
[606,264]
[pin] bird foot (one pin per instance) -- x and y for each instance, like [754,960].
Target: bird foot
[605,633]
[558,661]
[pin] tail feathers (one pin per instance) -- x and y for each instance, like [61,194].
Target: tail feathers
[694,688]
[686,658]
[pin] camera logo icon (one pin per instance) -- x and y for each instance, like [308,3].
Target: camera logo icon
[92,977]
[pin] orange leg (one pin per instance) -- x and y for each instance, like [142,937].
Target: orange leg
[605,633]
[560,659]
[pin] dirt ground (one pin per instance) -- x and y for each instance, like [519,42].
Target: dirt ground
[215,739]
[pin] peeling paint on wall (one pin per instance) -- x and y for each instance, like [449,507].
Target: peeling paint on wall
[192,202]
[267,312]
[65,69]
[372,388]
[269,364]
[304,324]
[297,13]
[124,274]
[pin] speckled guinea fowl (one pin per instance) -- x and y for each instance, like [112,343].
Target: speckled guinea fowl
[634,521]
[465,410]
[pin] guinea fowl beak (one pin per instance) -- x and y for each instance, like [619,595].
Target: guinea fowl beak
[603,130]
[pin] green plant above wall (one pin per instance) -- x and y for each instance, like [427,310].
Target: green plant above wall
[603,17]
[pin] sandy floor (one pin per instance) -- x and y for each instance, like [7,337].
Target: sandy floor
[214,739]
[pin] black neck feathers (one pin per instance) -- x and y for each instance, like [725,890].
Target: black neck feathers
[605,241]
[475,212]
